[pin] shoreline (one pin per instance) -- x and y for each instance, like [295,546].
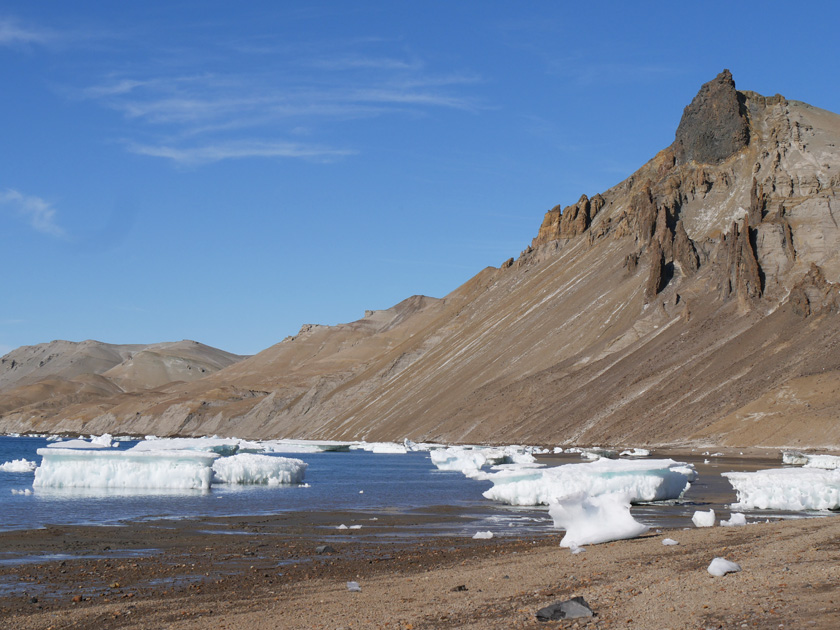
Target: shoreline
[264,572]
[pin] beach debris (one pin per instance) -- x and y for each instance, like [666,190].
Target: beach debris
[575,549]
[574,608]
[721,566]
[792,489]
[459,588]
[354,587]
[670,542]
[483,535]
[321,549]
[703,519]
[589,520]
[736,519]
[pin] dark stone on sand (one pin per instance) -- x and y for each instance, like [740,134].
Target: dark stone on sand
[460,587]
[324,549]
[574,608]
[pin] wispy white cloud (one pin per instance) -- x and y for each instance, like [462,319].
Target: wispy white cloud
[238,150]
[12,33]
[39,213]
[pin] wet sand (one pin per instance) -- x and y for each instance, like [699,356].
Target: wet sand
[264,572]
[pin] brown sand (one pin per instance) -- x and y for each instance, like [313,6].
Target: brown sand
[264,574]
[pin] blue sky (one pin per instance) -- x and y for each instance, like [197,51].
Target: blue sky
[227,172]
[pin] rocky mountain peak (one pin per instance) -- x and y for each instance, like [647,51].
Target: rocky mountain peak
[714,125]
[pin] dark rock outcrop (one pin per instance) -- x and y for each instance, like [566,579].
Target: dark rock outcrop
[714,125]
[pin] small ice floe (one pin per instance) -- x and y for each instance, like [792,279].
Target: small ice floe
[704,519]
[736,519]
[796,458]
[105,440]
[792,489]
[249,468]
[354,587]
[596,453]
[18,466]
[635,452]
[640,480]
[483,535]
[470,459]
[575,549]
[720,567]
[670,542]
[221,446]
[355,527]
[342,526]
[589,520]
[25,491]
[381,447]
[76,444]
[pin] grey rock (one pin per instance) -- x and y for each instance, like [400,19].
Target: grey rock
[324,549]
[575,608]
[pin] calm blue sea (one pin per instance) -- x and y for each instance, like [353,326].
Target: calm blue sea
[350,481]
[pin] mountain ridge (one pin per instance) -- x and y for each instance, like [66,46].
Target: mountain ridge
[695,301]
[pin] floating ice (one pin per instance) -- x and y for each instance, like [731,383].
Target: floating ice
[468,459]
[220,446]
[108,468]
[640,480]
[483,535]
[77,444]
[670,542]
[720,567]
[796,458]
[591,520]
[342,526]
[381,447]
[787,489]
[635,452]
[704,519]
[736,519]
[18,466]
[24,491]
[103,440]
[248,468]
[596,453]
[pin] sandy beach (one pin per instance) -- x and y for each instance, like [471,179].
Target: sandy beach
[264,572]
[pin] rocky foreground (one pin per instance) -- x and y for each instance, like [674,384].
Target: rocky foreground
[265,573]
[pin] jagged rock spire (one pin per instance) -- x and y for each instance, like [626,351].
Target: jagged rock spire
[714,125]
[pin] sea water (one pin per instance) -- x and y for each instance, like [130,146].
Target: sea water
[340,482]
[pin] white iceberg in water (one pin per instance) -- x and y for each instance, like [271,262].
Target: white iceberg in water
[786,489]
[220,446]
[248,468]
[18,466]
[109,468]
[589,520]
[78,444]
[638,480]
[469,459]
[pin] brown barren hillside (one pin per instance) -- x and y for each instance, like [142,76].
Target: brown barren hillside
[696,301]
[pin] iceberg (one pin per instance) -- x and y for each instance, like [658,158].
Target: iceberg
[381,447]
[78,444]
[248,468]
[590,520]
[18,466]
[639,480]
[469,459]
[109,468]
[792,489]
[220,446]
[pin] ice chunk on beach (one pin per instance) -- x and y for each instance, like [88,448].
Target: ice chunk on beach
[483,535]
[109,468]
[736,519]
[786,489]
[248,468]
[720,567]
[670,542]
[18,466]
[220,446]
[704,519]
[589,520]
[639,480]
